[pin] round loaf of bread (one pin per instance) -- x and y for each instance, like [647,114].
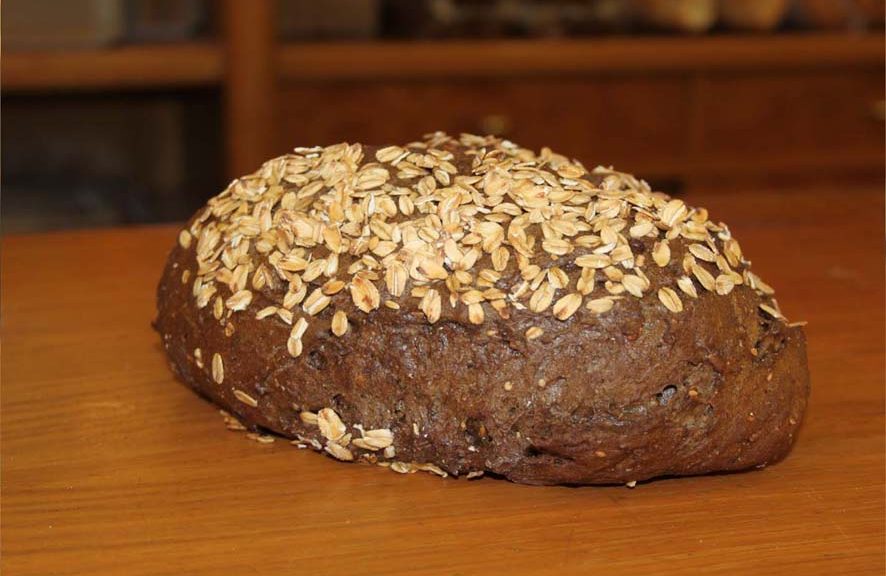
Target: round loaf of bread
[466,306]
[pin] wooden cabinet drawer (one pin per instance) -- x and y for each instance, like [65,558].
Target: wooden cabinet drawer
[632,123]
[801,118]
[672,129]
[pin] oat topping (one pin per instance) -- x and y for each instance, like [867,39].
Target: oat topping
[218,368]
[473,226]
[337,439]
[378,439]
[670,299]
[331,426]
[600,305]
[261,438]
[184,239]
[339,323]
[309,418]
[534,332]
[231,422]
[685,284]
[338,451]
[413,467]
[245,398]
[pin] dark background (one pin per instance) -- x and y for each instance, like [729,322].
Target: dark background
[128,111]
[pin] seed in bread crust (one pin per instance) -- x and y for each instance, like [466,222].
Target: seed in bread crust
[567,305]
[339,323]
[265,312]
[500,257]
[472,297]
[541,299]
[661,253]
[333,287]
[771,311]
[232,423]
[218,308]
[245,398]
[733,252]
[600,305]
[239,300]
[338,451]
[642,228]
[316,302]
[724,284]
[364,294]
[376,439]
[430,467]
[673,212]
[331,426]
[534,332]
[669,298]
[593,261]
[476,314]
[634,285]
[261,438]
[704,277]
[395,279]
[184,239]
[218,368]
[294,346]
[558,278]
[586,281]
[702,252]
[431,306]
[389,153]
[685,284]
[299,329]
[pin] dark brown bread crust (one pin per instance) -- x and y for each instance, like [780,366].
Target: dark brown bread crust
[632,395]
[636,393]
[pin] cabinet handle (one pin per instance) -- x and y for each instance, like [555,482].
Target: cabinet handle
[878,110]
[495,124]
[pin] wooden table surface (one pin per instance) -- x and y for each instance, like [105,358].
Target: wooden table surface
[109,466]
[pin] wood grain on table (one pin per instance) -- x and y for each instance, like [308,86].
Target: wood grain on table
[109,466]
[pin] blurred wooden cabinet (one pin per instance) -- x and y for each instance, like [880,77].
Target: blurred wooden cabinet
[699,111]
[687,126]
[792,115]
[615,121]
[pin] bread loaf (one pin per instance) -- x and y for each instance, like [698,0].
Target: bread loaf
[466,306]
